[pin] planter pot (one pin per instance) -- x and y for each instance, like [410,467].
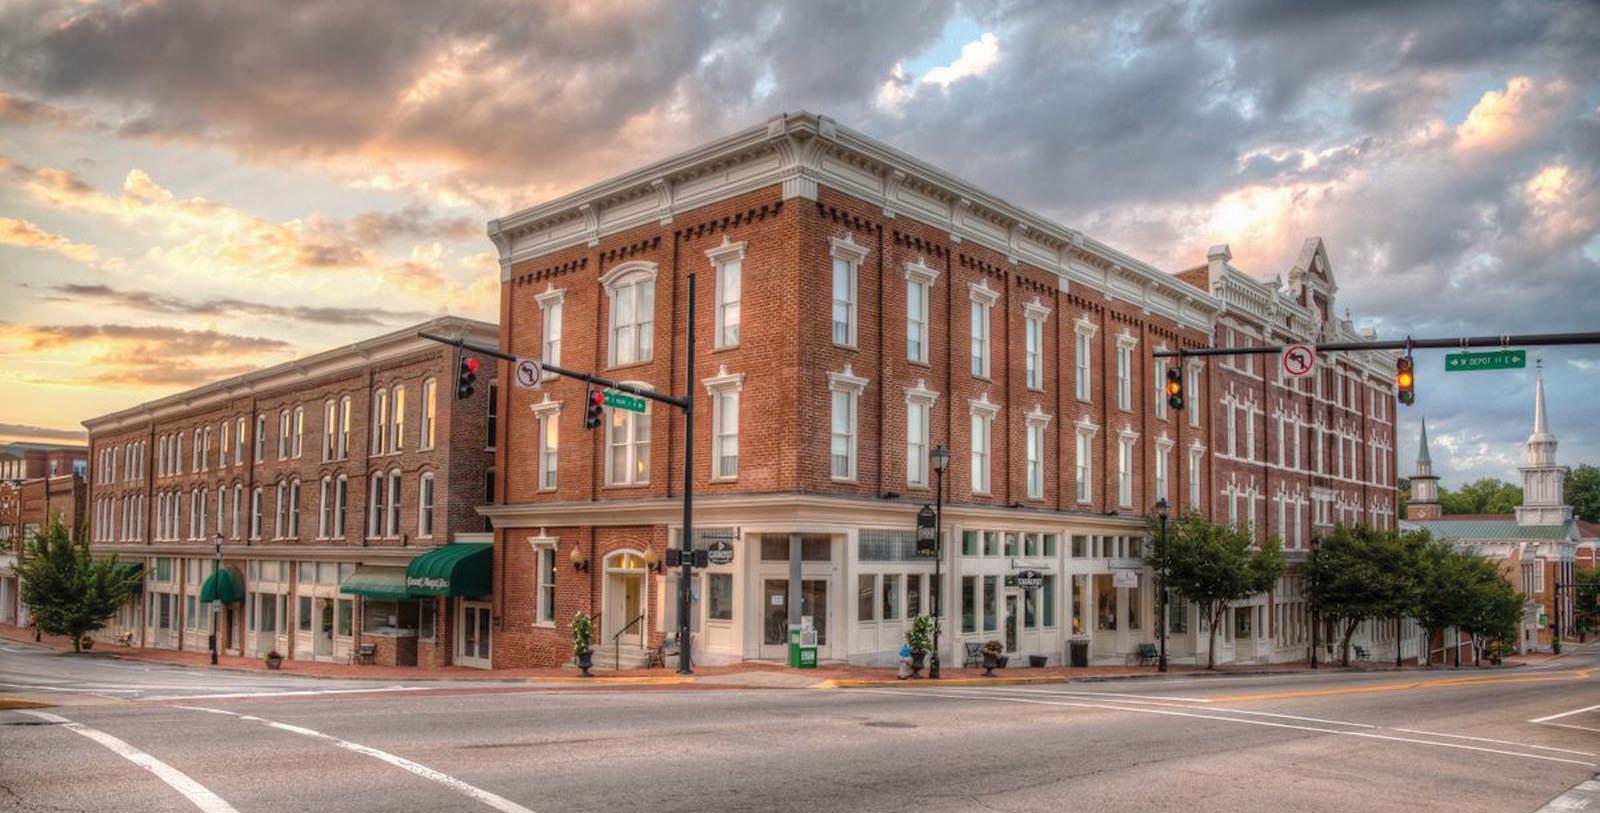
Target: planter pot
[1037,661]
[87,643]
[918,660]
[989,664]
[274,663]
[585,660]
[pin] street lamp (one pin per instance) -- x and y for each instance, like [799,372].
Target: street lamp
[216,603]
[1315,542]
[1555,646]
[941,461]
[1161,585]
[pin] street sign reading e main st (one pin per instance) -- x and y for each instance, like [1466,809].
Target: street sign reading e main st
[624,401]
[1497,360]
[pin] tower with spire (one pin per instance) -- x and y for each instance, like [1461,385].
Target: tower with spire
[1544,484]
[1424,502]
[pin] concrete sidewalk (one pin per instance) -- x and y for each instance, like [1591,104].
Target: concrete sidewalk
[746,675]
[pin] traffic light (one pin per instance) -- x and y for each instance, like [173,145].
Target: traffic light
[466,375]
[1405,380]
[596,412]
[1175,388]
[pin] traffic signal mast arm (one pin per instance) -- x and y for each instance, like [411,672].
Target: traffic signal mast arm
[1461,343]
[581,376]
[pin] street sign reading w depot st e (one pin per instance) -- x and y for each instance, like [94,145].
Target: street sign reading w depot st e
[1497,360]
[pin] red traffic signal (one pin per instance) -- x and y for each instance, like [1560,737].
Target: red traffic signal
[466,375]
[595,413]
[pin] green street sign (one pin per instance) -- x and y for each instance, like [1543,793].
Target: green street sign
[624,401]
[1494,360]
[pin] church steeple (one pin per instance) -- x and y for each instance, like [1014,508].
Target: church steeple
[1424,502]
[1544,484]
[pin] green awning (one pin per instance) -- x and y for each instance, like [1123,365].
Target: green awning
[382,583]
[223,585]
[460,569]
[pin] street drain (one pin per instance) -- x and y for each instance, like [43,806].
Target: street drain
[888,724]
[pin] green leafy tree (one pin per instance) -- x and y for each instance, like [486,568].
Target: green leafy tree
[1360,574]
[1494,607]
[1403,485]
[68,592]
[1465,591]
[1483,496]
[1213,566]
[1586,600]
[1583,492]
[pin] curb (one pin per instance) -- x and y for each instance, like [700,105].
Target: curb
[868,683]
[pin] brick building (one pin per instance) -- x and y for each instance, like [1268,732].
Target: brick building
[342,489]
[37,481]
[857,308]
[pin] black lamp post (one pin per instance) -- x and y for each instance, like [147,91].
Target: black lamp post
[941,460]
[1161,586]
[216,581]
[1555,645]
[1315,541]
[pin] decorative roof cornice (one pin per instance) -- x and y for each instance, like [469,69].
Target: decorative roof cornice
[799,151]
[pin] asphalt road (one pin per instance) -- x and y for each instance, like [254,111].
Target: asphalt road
[1439,740]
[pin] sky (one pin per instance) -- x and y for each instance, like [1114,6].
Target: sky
[190,190]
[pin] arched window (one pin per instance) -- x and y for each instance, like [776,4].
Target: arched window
[330,429]
[255,513]
[341,495]
[344,427]
[430,406]
[325,506]
[294,510]
[280,522]
[631,287]
[238,501]
[298,440]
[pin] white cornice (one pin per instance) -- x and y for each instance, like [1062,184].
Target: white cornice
[292,374]
[799,151]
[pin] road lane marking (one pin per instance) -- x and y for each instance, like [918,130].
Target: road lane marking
[197,793]
[1570,725]
[1110,694]
[287,693]
[1242,721]
[1213,708]
[1564,714]
[471,791]
[1392,687]
[1501,742]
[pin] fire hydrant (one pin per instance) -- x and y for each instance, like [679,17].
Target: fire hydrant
[905,662]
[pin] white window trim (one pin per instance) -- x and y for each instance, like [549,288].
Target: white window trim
[540,544]
[1037,313]
[849,383]
[1084,485]
[612,280]
[920,394]
[427,507]
[853,254]
[918,272]
[721,384]
[1036,421]
[985,298]
[547,410]
[723,257]
[1125,342]
[983,411]
[1127,465]
[552,297]
[1083,363]
[635,418]
[1162,479]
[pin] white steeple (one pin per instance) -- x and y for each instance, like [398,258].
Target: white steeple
[1544,484]
[1424,485]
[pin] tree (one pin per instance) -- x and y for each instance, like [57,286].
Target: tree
[1586,601]
[1583,492]
[68,592]
[1213,566]
[1465,591]
[1483,496]
[1360,574]
[1403,485]
[1494,607]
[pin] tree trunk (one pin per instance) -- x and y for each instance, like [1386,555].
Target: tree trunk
[1344,642]
[77,643]
[1211,657]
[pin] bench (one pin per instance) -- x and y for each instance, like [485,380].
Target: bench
[126,638]
[364,653]
[973,654]
[1146,653]
[668,648]
[1361,653]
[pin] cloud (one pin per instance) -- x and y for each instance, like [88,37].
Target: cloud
[20,431]
[134,355]
[977,58]
[1502,120]
[16,109]
[151,302]
[18,232]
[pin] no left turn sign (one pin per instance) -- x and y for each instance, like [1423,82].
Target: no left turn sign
[1298,360]
[528,373]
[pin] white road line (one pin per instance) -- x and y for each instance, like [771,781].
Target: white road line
[28,687]
[495,801]
[1578,727]
[1266,723]
[289,693]
[1111,695]
[1500,742]
[197,793]
[1210,708]
[1564,714]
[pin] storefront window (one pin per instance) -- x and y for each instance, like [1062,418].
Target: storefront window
[913,596]
[346,612]
[1030,609]
[990,599]
[891,597]
[1011,544]
[1050,545]
[1105,596]
[775,548]
[1133,608]
[1030,544]
[969,604]
[991,543]
[1241,622]
[428,619]
[1080,588]
[1048,595]
[969,543]
[720,607]
[303,612]
[1177,614]
[1080,547]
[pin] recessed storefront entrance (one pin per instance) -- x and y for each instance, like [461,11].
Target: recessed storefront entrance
[623,617]
[472,634]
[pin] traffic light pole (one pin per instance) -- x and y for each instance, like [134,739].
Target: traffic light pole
[685,403]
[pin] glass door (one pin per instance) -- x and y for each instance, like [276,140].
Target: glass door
[1011,622]
[324,630]
[472,635]
[774,618]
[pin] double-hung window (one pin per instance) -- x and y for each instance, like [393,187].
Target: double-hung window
[285,428]
[344,427]
[430,406]
[844,391]
[255,513]
[330,429]
[261,438]
[1163,469]
[724,390]
[397,418]
[1035,314]
[552,303]
[1125,346]
[1085,461]
[982,443]
[919,291]
[380,420]
[919,410]
[297,439]
[425,506]
[1125,452]
[224,445]
[391,527]
[847,258]
[548,414]
[1191,395]
[983,300]
[238,442]
[1037,422]
[1195,455]
[546,594]
[728,259]
[325,508]
[632,289]
[1160,369]
[1083,356]
[375,494]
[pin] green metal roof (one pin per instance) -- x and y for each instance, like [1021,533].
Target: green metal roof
[223,585]
[383,583]
[1489,529]
[459,569]
[129,569]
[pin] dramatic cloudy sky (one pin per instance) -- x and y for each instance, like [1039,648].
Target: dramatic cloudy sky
[189,190]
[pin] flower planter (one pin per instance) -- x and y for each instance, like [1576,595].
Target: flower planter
[1037,661]
[918,660]
[989,664]
[86,643]
[585,661]
[273,663]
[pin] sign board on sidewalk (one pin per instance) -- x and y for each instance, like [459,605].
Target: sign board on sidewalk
[1496,360]
[1298,360]
[622,400]
[528,373]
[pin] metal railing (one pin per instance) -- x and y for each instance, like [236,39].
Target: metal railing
[616,641]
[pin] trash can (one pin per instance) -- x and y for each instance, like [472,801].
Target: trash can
[1080,652]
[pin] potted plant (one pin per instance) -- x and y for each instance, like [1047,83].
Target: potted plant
[86,642]
[273,659]
[994,654]
[920,639]
[583,641]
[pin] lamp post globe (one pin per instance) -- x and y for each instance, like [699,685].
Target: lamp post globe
[940,458]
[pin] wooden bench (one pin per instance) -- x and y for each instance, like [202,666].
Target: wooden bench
[973,654]
[1146,653]
[126,638]
[1361,653]
[668,648]
[364,653]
